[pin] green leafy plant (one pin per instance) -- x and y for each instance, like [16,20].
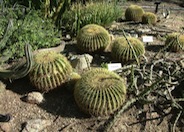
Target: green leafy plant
[134,13]
[175,42]
[122,51]
[50,70]
[100,92]
[99,13]
[92,38]
[18,29]
[149,18]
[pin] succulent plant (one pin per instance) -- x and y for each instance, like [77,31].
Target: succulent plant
[100,92]
[149,18]
[122,51]
[134,13]
[175,42]
[93,38]
[50,70]
[74,77]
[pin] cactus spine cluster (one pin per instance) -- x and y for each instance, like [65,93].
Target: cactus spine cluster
[134,13]
[149,18]
[122,51]
[100,92]
[50,70]
[93,38]
[175,42]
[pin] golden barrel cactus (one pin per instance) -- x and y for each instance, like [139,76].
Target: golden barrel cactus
[50,70]
[93,38]
[100,92]
[175,42]
[122,51]
[134,13]
[149,18]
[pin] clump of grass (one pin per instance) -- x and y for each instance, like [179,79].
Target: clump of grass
[99,13]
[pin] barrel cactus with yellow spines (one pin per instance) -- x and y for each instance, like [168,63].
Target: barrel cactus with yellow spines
[100,92]
[175,42]
[50,70]
[149,18]
[134,13]
[122,51]
[93,38]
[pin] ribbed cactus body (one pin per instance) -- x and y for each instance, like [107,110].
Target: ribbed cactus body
[50,70]
[100,92]
[93,38]
[149,18]
[122,51]
[134,13]
[175,42]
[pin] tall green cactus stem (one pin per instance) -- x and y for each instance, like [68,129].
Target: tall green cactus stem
[93,38]
[100,92]
[50,70]
[122,51]
[134,13]
[21,69]
[175,42]
[149,18]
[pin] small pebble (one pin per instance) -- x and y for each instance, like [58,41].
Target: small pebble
[34,98]
[36,125]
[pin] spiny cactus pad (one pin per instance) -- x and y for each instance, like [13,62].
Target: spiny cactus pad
[175,42]
[122,51]
[149,18]
[93,38]
[50,70]
[134,13]
[100,92]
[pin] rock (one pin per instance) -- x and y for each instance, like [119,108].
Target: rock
[81,62]
[2,86]
[5,127]
[34,98]
[36,125]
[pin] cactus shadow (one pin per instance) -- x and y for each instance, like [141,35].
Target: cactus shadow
[61,102]
[154,48]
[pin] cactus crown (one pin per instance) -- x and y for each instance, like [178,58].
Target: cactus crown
[93,38]
[149,18]
[175,42]
[100,92]
[122,51]
[50,70]
[134,13]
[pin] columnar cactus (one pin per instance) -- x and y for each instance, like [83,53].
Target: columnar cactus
[122,51]
[175,42]
[50,70]
[93,38]
[134,13]
[100,92]
[149,18]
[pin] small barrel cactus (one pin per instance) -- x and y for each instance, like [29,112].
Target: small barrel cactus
[100,92]
[93,38]
[134,13]
[50,70]
[175,42]
[122,51]
[149,18]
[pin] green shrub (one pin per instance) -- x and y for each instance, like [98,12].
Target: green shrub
[149,18]
[100,92]
[175,42]
[134,13]
[92,13]
[18,29]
